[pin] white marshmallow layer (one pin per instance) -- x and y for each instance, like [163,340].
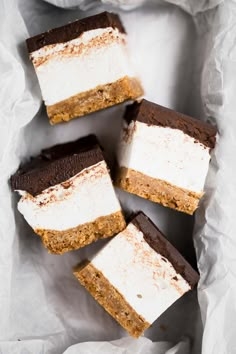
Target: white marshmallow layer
[79,200]
[166,154]
[88,66]
[140,274]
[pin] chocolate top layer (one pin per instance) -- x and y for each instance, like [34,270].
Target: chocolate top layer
[161,245]
[74,30]
[57,164]
[153,114]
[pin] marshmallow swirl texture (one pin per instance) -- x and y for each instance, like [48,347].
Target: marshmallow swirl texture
[97,57]
[79,200]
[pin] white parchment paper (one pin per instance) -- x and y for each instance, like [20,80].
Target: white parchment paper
[186,63]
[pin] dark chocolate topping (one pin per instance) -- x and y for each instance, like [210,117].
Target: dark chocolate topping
[83,144]
[153,114]
[154,237]
[57,164]
[74,30]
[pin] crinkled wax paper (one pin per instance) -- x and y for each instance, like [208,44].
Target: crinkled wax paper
[186,58]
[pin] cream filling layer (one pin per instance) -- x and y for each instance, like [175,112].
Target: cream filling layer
[81,199]
[83,40]
[147,280]
[164,153]
[81,65]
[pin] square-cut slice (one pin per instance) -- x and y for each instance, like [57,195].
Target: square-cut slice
[137,275]
[67,196]
[164,155]
[83,67]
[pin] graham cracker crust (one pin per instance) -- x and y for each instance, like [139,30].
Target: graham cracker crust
[110,299]
[101,97]
[59,242]
[157,190]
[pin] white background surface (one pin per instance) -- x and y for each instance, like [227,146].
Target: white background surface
[185,63]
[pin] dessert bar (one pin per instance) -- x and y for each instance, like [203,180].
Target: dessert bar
[67,196]
[137,275]
[83,67]
[164,155]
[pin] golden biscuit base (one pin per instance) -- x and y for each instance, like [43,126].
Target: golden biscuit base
[101,97]
[110,299]
[59,242]
[157,190]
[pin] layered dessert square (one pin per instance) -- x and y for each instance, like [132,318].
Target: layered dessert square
[137,275]
[83,67]
[164,155]
[67,196]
